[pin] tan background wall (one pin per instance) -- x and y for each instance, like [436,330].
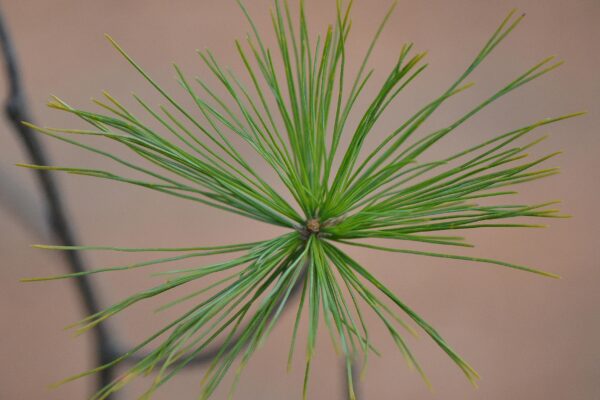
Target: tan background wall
[529,337]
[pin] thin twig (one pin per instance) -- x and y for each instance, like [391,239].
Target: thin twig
[17,111]
[355,380]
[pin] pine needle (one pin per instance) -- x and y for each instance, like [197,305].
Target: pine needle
[295,120]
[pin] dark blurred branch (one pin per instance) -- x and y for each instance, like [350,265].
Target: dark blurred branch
[17,110]
[355,380]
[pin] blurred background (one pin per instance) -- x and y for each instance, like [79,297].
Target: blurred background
[528,337]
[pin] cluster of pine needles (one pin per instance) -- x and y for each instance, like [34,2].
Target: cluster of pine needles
[295,119]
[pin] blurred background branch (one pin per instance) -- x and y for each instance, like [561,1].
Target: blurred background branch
[17,110]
